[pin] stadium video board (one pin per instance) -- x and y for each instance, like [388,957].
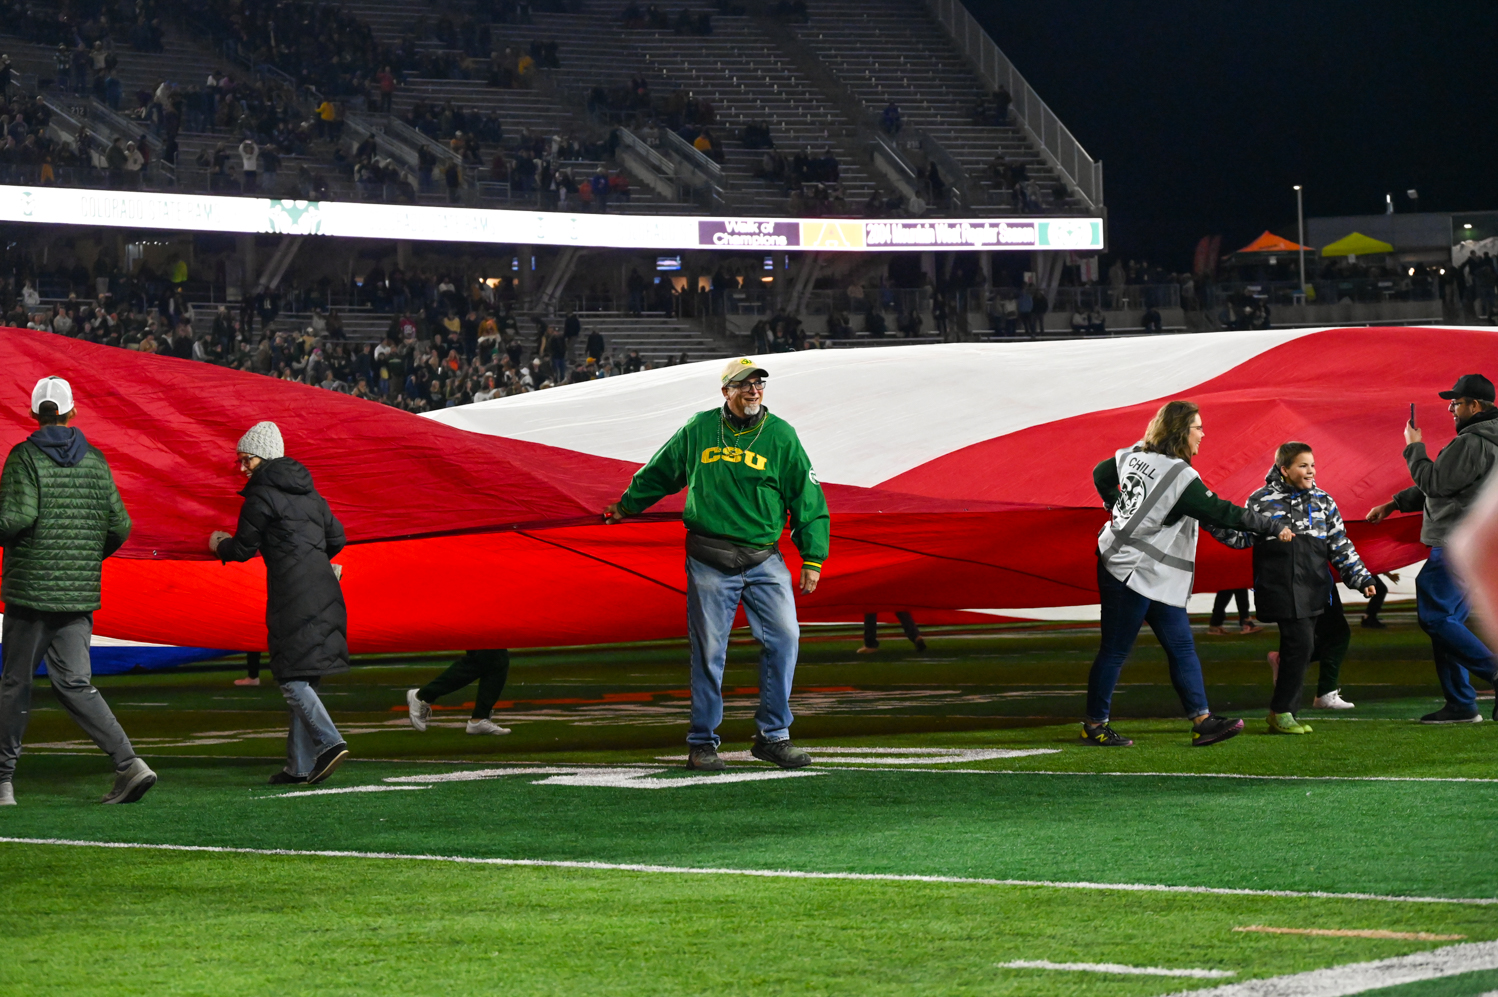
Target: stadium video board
[430,223]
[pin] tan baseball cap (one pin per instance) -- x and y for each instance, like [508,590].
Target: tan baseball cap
[741,368]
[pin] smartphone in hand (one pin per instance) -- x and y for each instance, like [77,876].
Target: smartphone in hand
[1412,415]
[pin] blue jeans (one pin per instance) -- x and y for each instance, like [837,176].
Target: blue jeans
[1441,606]
[1124,610]
[312,731]
[713,596]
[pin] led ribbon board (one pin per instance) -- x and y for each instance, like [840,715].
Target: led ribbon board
[430,223]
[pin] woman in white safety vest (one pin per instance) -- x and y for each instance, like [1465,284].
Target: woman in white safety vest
[1147,561]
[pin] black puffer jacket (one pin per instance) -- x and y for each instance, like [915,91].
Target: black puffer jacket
[294,531]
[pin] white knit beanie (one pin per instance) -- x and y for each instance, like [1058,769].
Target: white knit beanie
[263,441]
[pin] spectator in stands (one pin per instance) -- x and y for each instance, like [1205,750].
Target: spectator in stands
[1001,102]
[1151,319]
[249,157]
[1025,306]
[386,82]
[889,120]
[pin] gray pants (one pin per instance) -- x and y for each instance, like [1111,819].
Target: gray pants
[312,731]
[61,639]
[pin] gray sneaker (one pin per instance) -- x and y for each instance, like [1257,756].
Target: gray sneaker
[7,795]
[420,712]
[782,753]
[131,784]
[704,758]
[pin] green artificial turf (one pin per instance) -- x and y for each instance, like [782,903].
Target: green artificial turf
[1373,806]
[88,922]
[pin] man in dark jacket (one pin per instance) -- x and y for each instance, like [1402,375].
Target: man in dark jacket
[290,526]
[60,517]
[1444,489]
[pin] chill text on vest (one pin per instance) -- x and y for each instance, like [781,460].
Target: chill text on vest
[733,455]
[1143,467]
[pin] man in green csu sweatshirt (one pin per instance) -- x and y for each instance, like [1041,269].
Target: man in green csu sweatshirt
[744,470]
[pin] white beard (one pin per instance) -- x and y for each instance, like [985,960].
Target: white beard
[750,411]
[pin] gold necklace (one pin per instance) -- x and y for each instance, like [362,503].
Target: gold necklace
[722,440]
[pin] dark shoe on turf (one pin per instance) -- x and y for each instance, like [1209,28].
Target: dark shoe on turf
[285,778]
[1214,729]
[326,763]
[920,645]
[131,784]
[1103,736]
[1447,715]
[782,753]
[704,758]
[1374,623]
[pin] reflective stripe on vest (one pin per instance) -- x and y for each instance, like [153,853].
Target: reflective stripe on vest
[1151,558]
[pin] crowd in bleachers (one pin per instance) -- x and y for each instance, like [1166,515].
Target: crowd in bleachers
[450,340]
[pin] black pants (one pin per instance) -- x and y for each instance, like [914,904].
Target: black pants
[1324,638]
[1376,604]
[1220,606]
[871,628]
[252,664]
[491,668]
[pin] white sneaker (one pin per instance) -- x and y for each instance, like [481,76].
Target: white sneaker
[420,712]
[7,795]
[1331,701]
[485,727]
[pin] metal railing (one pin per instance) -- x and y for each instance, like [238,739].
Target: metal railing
[692,158]
[1056,143]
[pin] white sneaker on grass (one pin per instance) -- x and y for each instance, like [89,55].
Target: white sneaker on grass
[484,727]
[420,712]
[1331,701]
[7,795]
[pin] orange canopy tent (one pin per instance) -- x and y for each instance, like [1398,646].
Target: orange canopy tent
[1271,243]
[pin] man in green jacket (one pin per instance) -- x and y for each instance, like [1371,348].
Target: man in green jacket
[60,517]
[744,470]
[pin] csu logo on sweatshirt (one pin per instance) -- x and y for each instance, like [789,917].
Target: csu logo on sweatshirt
[1131,492]
[733,455]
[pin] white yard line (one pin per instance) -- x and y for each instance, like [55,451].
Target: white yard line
[342,789]
[1408,936]
[875,877]
[1360,977]
[1116,968]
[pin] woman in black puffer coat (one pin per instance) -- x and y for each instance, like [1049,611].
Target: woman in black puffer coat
[290,526]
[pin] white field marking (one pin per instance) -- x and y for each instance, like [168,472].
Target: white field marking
[882,756]
[341,789]
[1116,968]
[609,777]
[1359,977]
[1233,775]
[1408,936]
[675,870]
[641,779]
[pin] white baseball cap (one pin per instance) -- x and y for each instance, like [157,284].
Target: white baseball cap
[54,390]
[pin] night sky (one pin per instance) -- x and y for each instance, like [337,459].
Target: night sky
[1205,114]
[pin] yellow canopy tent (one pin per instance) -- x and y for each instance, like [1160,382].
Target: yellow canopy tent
[1271,243]
[1356,244]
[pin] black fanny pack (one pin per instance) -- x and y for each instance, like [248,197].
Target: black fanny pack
[725,555]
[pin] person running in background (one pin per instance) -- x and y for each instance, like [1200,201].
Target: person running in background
[1294,587]
[1246,624]
[251,669]
[60,517]
[1147,561]
[871,632]
[490,668]
[1444,489]
[290,526]
[1376,604]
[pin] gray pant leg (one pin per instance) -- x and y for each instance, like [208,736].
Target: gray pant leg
[22,644]
[71,672]
[312,731]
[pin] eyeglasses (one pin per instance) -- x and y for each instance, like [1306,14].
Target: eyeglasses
[243,460]
[757,384]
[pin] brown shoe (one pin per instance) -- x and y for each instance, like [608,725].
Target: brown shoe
[1216,630]
[1250,628]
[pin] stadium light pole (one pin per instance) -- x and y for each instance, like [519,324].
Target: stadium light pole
[1300,240]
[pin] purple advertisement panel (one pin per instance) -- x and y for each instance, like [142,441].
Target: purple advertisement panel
[748,234]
